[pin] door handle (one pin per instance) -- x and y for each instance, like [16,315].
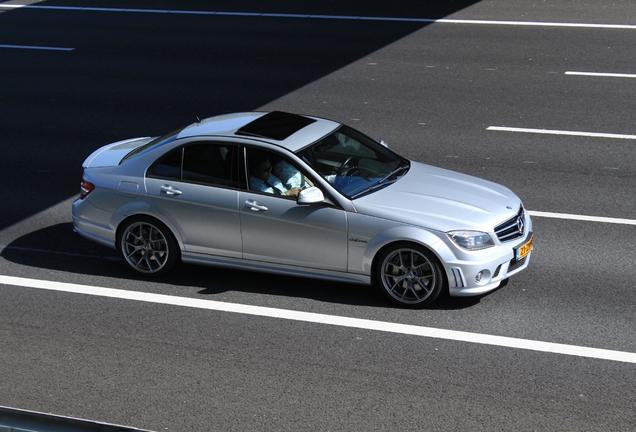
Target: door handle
[170,190]
[255,205]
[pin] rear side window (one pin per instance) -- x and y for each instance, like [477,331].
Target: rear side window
[168,166]
[204,163]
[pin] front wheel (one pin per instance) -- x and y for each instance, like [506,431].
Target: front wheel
[409,275]
[148,247]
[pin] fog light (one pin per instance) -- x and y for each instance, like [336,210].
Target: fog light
[482,277]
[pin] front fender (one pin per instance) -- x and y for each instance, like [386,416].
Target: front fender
[368,236]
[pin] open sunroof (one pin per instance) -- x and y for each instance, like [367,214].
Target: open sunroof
[275,125]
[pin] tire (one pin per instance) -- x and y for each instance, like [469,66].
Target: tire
[147,246]
[409,275]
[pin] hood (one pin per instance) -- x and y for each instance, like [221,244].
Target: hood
[112,154]
[442,200]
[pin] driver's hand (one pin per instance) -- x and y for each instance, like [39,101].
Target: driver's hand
[293,192]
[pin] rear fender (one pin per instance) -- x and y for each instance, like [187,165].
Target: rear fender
[142,207]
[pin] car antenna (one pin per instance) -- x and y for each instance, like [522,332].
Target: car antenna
[198,119]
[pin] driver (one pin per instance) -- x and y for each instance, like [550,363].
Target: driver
[290,176]
[262,179]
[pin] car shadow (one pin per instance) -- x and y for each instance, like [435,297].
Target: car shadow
[57,248]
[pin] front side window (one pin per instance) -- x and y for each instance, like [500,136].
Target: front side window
[270,173]
[354,163]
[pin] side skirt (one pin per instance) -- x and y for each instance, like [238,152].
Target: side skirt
[259,266]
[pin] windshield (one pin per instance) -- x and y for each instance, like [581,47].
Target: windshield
[353,163]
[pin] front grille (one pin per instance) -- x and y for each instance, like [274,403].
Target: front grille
[513,228]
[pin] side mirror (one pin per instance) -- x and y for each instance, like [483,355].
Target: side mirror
[311,195]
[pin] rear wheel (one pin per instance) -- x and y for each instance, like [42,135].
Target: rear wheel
[409,275]
[148,247]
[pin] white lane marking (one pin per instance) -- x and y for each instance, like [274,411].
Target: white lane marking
[561,132]
[35,47]
[501,341]
[536,24]
[582,217]
[333,17]
[601,74]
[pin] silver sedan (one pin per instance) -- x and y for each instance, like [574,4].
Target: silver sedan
[303,196]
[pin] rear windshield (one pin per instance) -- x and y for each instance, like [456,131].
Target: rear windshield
[159,141]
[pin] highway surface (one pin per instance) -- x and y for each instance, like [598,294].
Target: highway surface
[537,95]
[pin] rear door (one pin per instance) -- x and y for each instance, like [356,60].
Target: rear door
[195,186]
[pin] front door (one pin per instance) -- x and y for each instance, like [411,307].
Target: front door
[276,229]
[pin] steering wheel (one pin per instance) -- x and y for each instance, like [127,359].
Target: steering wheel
[345,168]
[349,171]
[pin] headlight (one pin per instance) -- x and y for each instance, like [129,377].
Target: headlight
[471,240]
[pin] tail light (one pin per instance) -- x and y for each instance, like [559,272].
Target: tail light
[86,187]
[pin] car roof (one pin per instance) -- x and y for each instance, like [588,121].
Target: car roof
[291,131]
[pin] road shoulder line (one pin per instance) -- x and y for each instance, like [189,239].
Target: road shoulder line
[310,317]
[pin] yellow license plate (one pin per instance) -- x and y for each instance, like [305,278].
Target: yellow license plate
[524,249]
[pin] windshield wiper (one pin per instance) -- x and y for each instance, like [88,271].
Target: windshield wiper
[382,182]
[370,189]
[393,173]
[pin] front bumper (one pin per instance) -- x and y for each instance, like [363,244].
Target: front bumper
[470,278]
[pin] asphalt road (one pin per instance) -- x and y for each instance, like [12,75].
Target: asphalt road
[434,92]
